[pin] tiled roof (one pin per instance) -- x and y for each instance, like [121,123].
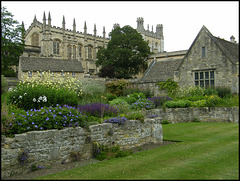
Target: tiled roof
[161,70]
[231,49]
[45,64]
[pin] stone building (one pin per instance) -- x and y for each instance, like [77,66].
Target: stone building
[210,61]
[155,40]
[46,44]
[46,41]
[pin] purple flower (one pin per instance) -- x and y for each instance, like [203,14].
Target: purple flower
[36,126]
[32,122]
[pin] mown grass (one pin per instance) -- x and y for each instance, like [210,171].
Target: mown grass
[206,151]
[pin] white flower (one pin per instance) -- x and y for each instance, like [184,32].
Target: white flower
[20,97]
[34,100]
[10,89]
[25,94]
[14,101]
[40,98]
[44,99]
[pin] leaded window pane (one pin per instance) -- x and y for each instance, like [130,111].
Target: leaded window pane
[196,75]
[212,82]
[206,75]
[201,83]
[206,83]
[196,83]
[212,75]
[201,75]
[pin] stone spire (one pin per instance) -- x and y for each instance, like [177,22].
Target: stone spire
[85,28]
[74,25]
[104,33]
[44,21]
[44,18]
[23,31]
[35,19]
[63,23]
[95,30]
[49,19]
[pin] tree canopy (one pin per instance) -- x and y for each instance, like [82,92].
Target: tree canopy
[125,56]
[12,43]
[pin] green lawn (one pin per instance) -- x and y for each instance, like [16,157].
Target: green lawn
[206,151]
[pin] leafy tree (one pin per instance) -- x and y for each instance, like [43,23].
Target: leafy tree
[125,56]
[12,43]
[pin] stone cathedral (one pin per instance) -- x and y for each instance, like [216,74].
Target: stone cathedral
[46,42]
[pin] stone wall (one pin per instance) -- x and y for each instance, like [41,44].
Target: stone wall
[203,114]
[54,146]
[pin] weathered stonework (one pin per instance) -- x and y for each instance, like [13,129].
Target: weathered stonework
[203,114]
[54,146]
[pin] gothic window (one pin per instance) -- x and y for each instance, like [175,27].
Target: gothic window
[35,39]
[205,78]
[90,49]
[80,50]
[56,47]
[74,51]
[69,50]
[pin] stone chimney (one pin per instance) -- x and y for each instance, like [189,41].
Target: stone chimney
[232,39]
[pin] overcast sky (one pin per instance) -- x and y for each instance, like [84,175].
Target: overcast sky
[181,20]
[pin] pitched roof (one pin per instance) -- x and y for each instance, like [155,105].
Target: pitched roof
[231,50]
[55,65]
[160,70]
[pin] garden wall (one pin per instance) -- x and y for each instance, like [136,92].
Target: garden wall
[54,146]
[203,114]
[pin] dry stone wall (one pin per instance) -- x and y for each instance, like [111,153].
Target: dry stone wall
[203,114]
[54,146]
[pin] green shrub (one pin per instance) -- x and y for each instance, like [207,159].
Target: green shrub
[4,84]
[135,116]
[116,87]
[210,91]
[130,90]
[120,104]
[30,96]
[169,85]
[179,103]
[223,91]
[213,100]
[110,96]
[9,73]
[199,103]
[195,98]
[189,91]
[129,100]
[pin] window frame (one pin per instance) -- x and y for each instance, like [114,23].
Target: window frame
[204,81]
